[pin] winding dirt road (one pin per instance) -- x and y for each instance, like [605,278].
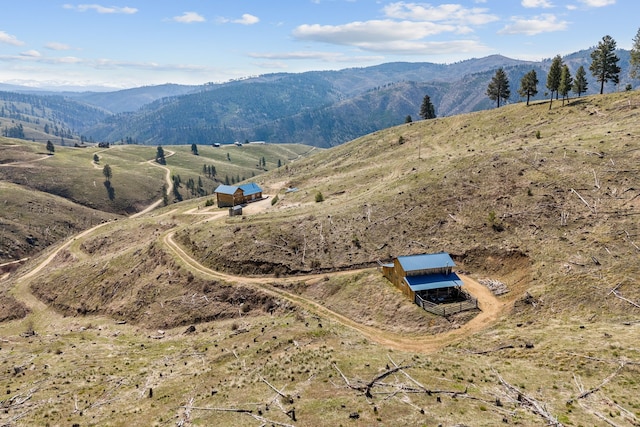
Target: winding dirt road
[490,306]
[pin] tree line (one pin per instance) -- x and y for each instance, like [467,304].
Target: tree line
[604,67]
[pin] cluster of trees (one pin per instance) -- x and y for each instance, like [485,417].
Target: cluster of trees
[604,67]
[55,130]
[14,132]
[209,170]
[196,190]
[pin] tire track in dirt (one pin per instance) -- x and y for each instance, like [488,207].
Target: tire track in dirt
[490,306]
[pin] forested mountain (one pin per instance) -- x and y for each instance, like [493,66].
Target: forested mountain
[320,108]
[42,117]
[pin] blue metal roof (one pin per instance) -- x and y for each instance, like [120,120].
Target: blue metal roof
[433,281]
[226,189]
[250,188]
[425,261]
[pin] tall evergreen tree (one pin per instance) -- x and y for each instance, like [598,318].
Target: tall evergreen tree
[106,171]
[427,111]
[580,83]
[160,155]
[565,83]
[499,87]
[194,149]
[604,62]
[529,85]
[634,62]
[50,147]
[553,78]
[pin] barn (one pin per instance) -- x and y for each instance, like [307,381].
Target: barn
[229,196]
[427,279]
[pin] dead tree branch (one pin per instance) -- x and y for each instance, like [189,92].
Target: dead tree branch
[530,403]
[586,393]
[583,200]
[280,393]
[617,294]
[240,411]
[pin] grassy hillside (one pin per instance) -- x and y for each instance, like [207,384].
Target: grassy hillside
[482,186]
[545,201]
[31,179]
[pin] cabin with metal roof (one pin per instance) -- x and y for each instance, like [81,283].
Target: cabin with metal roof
[229,196]
[427,279]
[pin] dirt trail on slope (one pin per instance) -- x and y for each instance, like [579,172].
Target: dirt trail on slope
[491,307]
[167,179]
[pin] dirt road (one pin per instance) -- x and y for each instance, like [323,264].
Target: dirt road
[491,307]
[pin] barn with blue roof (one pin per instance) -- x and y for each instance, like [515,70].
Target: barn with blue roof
[425,277]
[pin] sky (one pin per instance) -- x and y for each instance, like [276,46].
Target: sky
[120,44]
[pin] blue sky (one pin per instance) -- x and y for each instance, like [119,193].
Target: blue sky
[131,43]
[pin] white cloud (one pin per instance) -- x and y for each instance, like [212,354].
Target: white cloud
[9,39]
[541,24]
[597,3]
[536,3]
[31,54]
[454,14]
[57,46]
[369,32]
[101,9]
[315,55]
[403,47]
[247,19]
[189,18]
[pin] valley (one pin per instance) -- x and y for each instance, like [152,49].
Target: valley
[183,315]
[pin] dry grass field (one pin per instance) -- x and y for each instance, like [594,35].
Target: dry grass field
[185,316]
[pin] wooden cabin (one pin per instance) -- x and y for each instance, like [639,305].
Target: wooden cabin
[229,196]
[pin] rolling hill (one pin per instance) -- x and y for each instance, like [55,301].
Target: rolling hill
[320,108]
[46,198]
[188,316]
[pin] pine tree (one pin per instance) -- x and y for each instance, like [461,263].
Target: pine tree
[580,83]
[499,87]
[634,62]
[604,62]
[565,83]
[553,78]
[427,111]
[529,85]
[160,155]
[106,171]
[50,147]
[194,149]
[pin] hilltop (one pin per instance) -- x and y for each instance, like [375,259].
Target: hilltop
[240,319]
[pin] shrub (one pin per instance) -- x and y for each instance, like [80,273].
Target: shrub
[319,197]
[274,200]
[538,134]
[209,202]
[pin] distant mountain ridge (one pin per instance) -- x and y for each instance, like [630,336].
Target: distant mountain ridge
[320,108]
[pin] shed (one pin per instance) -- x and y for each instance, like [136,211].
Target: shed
[429,276]
[235,211]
